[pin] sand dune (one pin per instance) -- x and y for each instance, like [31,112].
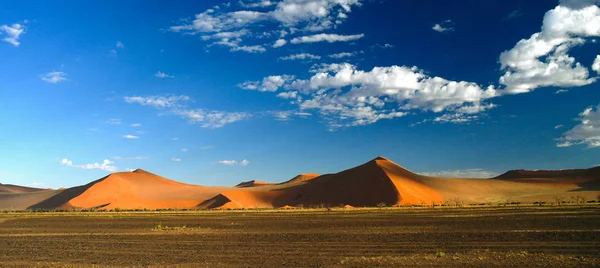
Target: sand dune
[9,188]
[377,181]
[301,178]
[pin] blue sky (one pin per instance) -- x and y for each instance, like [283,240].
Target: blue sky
[218,92]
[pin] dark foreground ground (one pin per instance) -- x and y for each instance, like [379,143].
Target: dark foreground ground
[517,237]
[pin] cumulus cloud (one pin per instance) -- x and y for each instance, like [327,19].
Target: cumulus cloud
[269,83]
[331,38]
[542,60]
[587,132]
[106,165]
[120,45]
[465,173]
[596,64]
[304,15]
[131,137]
[12,33]
[242,163]
[158,101]
[260,3]
[160,74]
[54,77]
[347,96]
[444,26]
[301,56]
[279,43]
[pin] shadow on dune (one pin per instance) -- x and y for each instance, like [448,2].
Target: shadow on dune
[61,199]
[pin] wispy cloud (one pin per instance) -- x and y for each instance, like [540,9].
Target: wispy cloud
[158,101]
[176,159]
[106,165]
[54,77]
[301,56]
[331,38]
[160,74]
[242,163]
[514,14]
[136,125]
[12,33]
[113,121]
[444,26]
[120,45]
[132,137]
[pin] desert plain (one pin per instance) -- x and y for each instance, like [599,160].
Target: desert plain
[377,214]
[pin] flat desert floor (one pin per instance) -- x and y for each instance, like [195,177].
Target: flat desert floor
[517,237]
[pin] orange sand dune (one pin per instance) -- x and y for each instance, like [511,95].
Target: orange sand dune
[132,190]
[301,178]
[377,181]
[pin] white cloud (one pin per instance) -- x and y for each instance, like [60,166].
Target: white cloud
[158,101]
[596,64]
[344,55]
[331,38]
[54,77]
[287,115]
[561,91]
[233,163]
[12,33]
[558,126]
[587,132]
[106,165]
[269,83]
[260,3]
[132,137]
[175,138]
[120,45]
[160,74]
[291,15]
[279,43]
[466,173]
[176,159]
[543,60]
[249,49]
[211,119]
[444,26]
[136,125]
[288,95]
[347,96]
[184,150]
[301,56]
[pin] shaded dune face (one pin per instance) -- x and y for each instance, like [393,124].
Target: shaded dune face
[9,188]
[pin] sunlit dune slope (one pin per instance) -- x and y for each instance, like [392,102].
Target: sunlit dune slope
[132,190]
